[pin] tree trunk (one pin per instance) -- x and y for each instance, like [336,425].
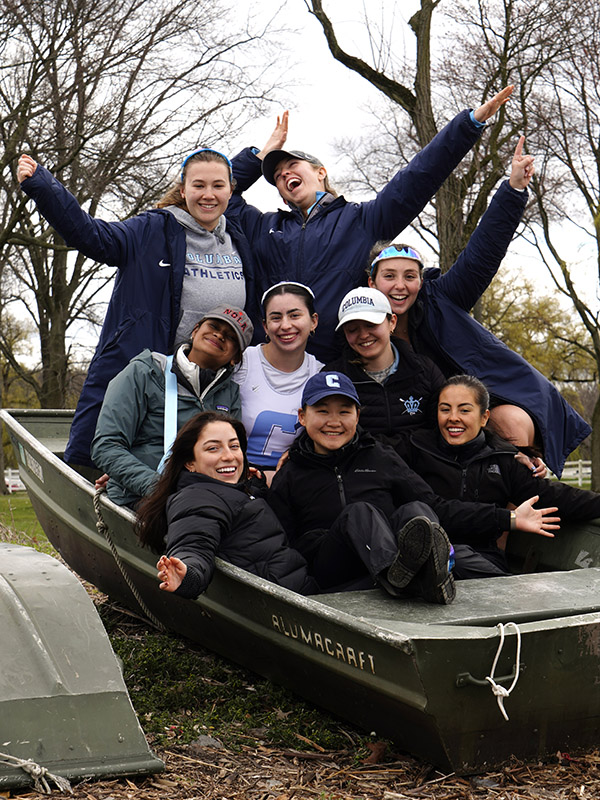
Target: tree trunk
[53,390]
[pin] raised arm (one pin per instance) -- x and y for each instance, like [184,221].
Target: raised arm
[522,169]
[106,242]
[478,263]
[491,106]
[409,191]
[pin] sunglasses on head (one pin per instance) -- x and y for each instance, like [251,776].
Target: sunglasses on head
[396,251]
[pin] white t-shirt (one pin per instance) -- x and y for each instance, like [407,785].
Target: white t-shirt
[270,402]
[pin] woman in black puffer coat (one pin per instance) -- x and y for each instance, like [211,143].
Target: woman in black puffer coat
[462,460]
[202,508]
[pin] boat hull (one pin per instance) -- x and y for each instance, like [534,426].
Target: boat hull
[404,669]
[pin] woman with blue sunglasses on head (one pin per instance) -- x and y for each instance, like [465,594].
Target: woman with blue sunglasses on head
[175,262]
[432,312]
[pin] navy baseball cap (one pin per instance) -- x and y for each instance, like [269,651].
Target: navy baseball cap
[327,384]
[273,158]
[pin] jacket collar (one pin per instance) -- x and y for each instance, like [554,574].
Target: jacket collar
[304,451]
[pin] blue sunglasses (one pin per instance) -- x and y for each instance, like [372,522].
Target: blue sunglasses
[396,251]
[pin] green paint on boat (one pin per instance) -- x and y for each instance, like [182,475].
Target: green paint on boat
[403,668]
[63,702]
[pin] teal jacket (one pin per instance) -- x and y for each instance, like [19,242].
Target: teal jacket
[128,443]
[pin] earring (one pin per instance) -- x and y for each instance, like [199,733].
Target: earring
[312,333]
[267,338]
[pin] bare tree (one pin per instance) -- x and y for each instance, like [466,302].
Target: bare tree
[107,94]
[490,46]
[566,112]
[550,50]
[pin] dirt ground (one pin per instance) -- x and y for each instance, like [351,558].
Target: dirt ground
[208,773]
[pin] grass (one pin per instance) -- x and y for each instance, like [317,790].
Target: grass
[180,691]
[19,525]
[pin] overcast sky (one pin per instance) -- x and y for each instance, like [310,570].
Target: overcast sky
[328,101]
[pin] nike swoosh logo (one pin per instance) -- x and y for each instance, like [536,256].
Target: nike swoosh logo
[162,263]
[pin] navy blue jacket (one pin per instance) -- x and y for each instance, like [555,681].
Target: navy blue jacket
[143,311]
[441,327]
[329,251]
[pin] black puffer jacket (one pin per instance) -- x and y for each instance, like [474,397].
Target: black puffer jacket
[208,518]
[488,472]
[406,401]
[310,491]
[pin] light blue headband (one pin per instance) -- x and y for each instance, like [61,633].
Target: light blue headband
[396,251]
[205,150]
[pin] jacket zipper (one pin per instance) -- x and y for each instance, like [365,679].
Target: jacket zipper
[340,485]
[214,382]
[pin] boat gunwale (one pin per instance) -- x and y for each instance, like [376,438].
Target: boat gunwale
[369,627]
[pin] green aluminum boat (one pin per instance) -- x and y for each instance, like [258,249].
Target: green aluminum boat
[407,670]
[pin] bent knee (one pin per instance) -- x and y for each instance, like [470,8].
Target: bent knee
[513,424]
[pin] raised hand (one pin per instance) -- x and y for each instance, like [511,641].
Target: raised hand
[522,168]
[488,109]
[25,168]
[171,572]
[278,138]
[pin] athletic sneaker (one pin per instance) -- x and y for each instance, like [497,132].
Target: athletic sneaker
[415,540]
[434,582]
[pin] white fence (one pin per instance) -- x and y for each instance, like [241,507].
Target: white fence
[577,472]
[13,481]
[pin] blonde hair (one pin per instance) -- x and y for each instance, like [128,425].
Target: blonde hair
[173,196]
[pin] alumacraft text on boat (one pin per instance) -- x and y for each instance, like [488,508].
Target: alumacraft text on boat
[317,641]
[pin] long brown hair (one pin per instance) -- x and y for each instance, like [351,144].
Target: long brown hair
[151,522]
[173,197]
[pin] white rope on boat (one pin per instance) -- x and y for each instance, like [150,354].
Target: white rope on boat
[103,530]
[500,691]
[39,774]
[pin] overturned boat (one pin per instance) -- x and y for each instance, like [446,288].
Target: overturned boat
[512,667]
[64,709]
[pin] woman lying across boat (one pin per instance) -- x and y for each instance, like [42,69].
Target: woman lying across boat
[464,459]
[175,262]
[397,387]
[272,375]
[203,507]
[340,485]
[154,395]
[432,312]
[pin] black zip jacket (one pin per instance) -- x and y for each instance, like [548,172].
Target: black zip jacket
[489,473]
[208,518]
[406,401]
[310,491]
